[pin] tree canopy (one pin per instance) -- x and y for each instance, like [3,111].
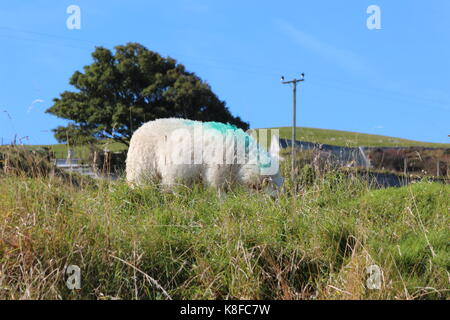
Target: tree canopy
[118,92]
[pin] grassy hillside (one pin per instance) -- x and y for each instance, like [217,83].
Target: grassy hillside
[333,137]
[353,139]
[60,150]
[247,246]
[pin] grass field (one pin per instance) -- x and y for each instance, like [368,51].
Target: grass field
[146,244]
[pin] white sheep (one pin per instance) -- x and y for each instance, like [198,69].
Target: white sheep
[173,151]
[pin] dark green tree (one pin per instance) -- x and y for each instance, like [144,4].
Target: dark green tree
[119,92]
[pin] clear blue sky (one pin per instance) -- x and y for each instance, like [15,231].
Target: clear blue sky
[393,81]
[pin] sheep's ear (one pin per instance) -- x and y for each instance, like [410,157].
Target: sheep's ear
[274,149]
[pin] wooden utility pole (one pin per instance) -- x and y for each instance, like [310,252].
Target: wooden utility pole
[294,118]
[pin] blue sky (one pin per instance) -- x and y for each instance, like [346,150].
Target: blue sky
[393,81]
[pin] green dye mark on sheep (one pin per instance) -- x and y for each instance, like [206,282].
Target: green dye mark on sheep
[223,128]
[266,165]
[218,126]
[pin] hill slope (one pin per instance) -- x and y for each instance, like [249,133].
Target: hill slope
[353,139]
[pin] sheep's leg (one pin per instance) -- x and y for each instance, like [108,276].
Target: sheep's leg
[168,181]
[214,179]
[221,195]
[177,176]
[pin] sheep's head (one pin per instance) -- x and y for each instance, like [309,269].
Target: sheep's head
[265,173]
[274,182]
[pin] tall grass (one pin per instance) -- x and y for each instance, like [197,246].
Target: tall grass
[143,243]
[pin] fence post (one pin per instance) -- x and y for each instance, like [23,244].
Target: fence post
[94,162]
[438,173]
[107,162]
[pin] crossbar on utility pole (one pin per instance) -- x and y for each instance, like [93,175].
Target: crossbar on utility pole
[294,117]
